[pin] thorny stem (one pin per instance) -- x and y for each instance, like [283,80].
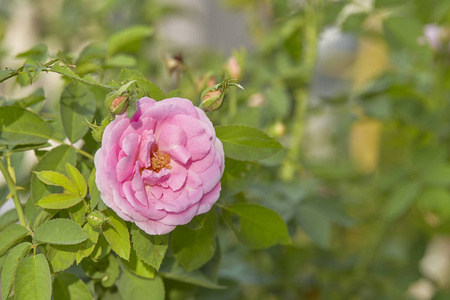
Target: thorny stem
[13,191]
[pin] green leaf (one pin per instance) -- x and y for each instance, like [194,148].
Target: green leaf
[69,286]
[195,277]
[436,200]
[128,38]
[246,143]
[77,213]
[5,73]
[117,235]
[60,232]
[57,179]
[36,53]
[133,287]
[8,218]
[101,249]
[33,279]
[55,160]
[10,266]
[25,147]
[93,191]
[77,106]
[106,269]
[401,200]
[138,267]
[151,249]
[144,88]
[32,99]
[10,236]
[20,126]
[193,248]
[259,227]
[237,176]
[121,61]
[88,245]
[61,257]
[404,30]
[77,178]
[69,73]
[111,272]
[41,216]
[437,175]
[315,224]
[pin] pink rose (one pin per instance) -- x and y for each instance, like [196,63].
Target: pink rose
[162,167]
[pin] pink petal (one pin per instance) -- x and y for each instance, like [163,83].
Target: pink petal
[125,166]
[211,176]
[171,140]
[143,104]
[178,175]
[209,199]
[155,227]
[180,218]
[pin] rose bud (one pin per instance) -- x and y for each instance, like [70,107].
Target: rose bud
[117,101]
[119,105]
[212,98]
[96,219]
[233,68]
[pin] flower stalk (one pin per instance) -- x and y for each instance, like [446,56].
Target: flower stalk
[13,191]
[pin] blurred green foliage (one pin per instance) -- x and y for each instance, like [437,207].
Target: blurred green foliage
[361,214]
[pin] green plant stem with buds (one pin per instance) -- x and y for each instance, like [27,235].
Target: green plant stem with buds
[13,191]
[311,27]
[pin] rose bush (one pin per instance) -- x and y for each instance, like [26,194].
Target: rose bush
[162,167]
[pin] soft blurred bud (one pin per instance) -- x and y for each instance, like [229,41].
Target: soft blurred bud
[436,36]
[278,129]
[432,35]
[96,219]
[233,68]
[205,81]
[256,100]
[175,63]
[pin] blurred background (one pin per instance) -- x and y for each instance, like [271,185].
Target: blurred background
[356,91]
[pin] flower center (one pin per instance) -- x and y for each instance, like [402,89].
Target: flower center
[159,160]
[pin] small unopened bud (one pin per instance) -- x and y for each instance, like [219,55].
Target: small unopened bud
[96,131]
[278,129]
[119,105]
[174,64]
[117,101]
[96,219]
[212,98]
[256,100]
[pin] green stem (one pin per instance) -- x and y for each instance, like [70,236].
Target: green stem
[311,27]
[232,108]
[82,152]
[15,196]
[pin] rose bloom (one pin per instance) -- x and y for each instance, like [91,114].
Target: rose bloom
[162,167]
